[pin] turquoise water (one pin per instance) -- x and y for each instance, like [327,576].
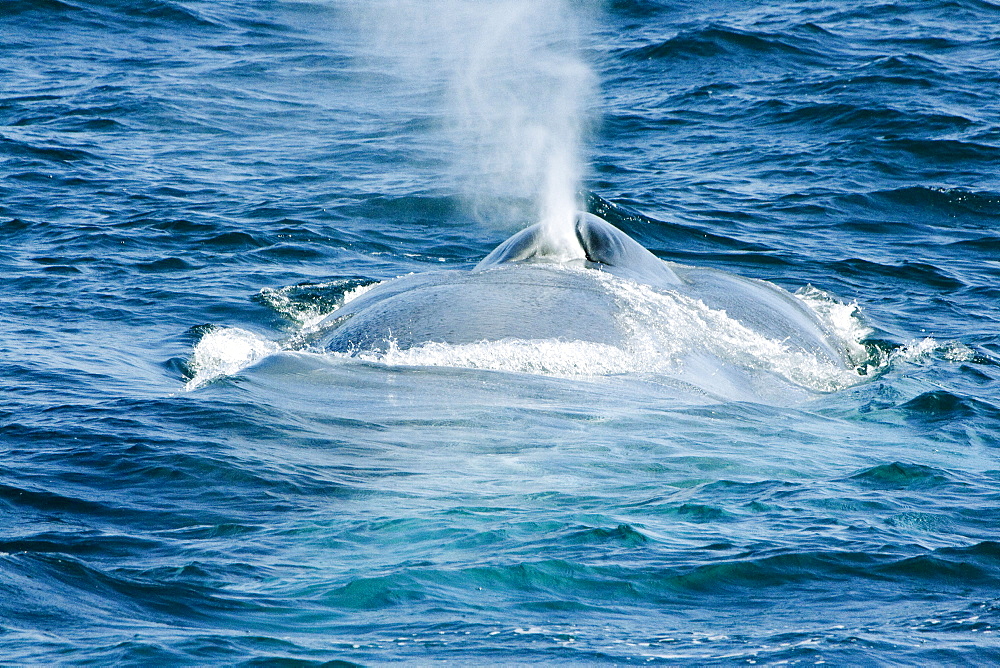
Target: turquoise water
[175,173]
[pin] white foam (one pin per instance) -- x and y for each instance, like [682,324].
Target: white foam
[224,351]
[666,327]
[953,351]
[354,293]
[922,349]
[549,357]
[915,350]
[843,319]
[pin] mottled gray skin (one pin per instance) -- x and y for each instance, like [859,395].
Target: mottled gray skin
[513,301]
[520,292]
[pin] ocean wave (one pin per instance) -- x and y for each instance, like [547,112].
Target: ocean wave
[899,475]
[862,118]
[941,406]
[714,42]
[920,273]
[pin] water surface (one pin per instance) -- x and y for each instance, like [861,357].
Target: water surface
[172,169]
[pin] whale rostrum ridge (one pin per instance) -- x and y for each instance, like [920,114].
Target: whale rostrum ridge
[604,246]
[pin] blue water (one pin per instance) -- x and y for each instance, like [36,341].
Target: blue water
[173,169]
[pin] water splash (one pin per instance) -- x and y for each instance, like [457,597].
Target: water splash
[673,334]
[224,351]
[307,304]
[545,357]
[513,96]
[842,319]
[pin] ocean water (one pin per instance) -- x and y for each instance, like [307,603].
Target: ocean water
[187,188]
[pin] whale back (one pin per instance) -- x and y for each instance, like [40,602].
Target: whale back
[615,305]
[532,302]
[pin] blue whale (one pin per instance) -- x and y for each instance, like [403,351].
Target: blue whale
[715,332]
